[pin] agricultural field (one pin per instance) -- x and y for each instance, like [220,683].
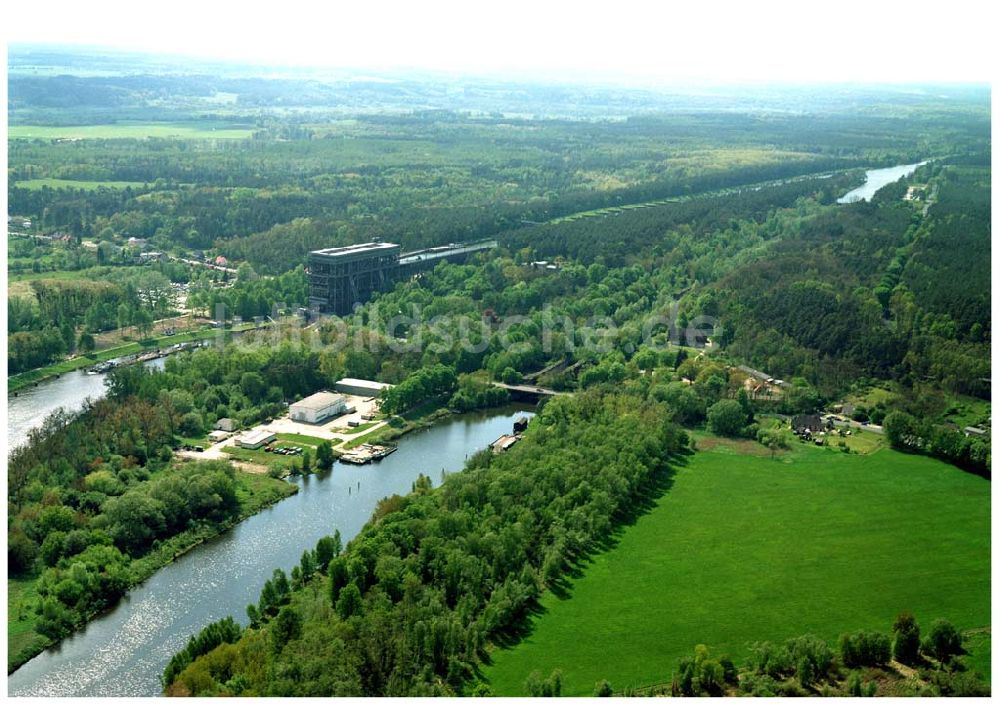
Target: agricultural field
[746,548]
[26,278]
[132,130]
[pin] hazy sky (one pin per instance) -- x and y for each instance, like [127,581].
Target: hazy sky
[663,41]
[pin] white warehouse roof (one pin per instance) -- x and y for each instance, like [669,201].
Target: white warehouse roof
[363,384]
[255,437]
[319,401]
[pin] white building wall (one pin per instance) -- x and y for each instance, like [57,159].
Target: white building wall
[313,415]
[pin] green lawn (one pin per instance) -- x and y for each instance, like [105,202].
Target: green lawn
[33,276]
[744,548]
[23,642]
[39,183]
[201,441]
[978,645]
[267,459]
[299,439]
[132,130]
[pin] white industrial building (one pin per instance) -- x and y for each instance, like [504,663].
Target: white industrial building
[360,387]
[318,407]
[255,438]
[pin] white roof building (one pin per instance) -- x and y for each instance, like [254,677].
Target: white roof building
[255,438]
[360,387]
[318,407]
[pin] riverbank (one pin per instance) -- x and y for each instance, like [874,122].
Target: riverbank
[123,651]
[255,492]
[20,381]
[423,416]
[24,642]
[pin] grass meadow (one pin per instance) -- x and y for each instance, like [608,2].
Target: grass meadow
[132,130]
[744,548]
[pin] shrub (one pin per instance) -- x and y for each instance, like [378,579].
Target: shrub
[769,659]
[906,645]
[943,641]
[812,656]
[727,417]
[535,686]
[864,649]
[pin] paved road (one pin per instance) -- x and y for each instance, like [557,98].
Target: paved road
[860,426]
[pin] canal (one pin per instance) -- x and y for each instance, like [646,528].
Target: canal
[876,179]
[123,652]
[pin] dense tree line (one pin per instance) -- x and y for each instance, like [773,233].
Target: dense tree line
[421,386]
[248,383]
[948,271]
[250,296]
[624,236]
[910,433]
[87,495]
[808,666]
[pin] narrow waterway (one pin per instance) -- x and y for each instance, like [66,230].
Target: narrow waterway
[876,179]
[27,408]
[123,652]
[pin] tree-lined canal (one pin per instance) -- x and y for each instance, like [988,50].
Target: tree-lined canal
[123,652]
[876,179]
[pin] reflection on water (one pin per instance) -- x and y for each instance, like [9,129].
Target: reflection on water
[124,652]
[876,179]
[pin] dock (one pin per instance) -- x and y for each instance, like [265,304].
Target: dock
[365,453]
[139,357]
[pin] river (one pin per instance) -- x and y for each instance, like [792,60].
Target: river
[123,652]
[876,179]
[27,408]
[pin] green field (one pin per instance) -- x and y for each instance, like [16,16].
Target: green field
[23,642]
[297,438]
[39,183]
[132,130]
[744,548]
